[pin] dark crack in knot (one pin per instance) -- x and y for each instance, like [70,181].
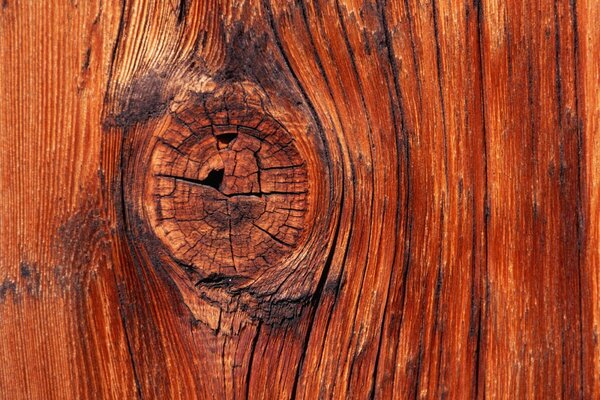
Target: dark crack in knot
[225,139]
[229,199]
[217,280]
[214,179]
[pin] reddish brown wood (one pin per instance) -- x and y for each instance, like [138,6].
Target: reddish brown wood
[309,199]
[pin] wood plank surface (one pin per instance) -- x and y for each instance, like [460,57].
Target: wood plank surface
[222,199]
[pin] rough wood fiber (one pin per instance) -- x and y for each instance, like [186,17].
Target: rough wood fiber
[309,199]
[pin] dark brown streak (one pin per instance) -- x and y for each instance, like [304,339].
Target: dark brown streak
[437,297]
[251,360]
[407,220]
[438,55]
[483,304]
[86,59]
[113,54]
[580,216]
[230,240]
[559,104]
[123,320]
[419,361]
[530,98]
[557,72]
[414,52]
[475,310]
[182,11]
[442,225]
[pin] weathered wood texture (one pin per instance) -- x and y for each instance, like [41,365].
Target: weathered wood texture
[308,199]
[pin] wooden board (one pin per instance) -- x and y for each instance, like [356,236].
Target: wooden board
[309,199]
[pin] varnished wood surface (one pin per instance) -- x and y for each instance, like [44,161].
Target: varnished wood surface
[381,199]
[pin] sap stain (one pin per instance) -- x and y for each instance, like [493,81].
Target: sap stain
[7,287]
[31,278]
[144,98]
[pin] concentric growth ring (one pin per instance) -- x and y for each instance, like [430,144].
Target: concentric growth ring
[228,198]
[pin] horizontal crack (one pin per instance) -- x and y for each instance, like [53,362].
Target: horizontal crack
[218,280]
[208,182]
[202,182]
